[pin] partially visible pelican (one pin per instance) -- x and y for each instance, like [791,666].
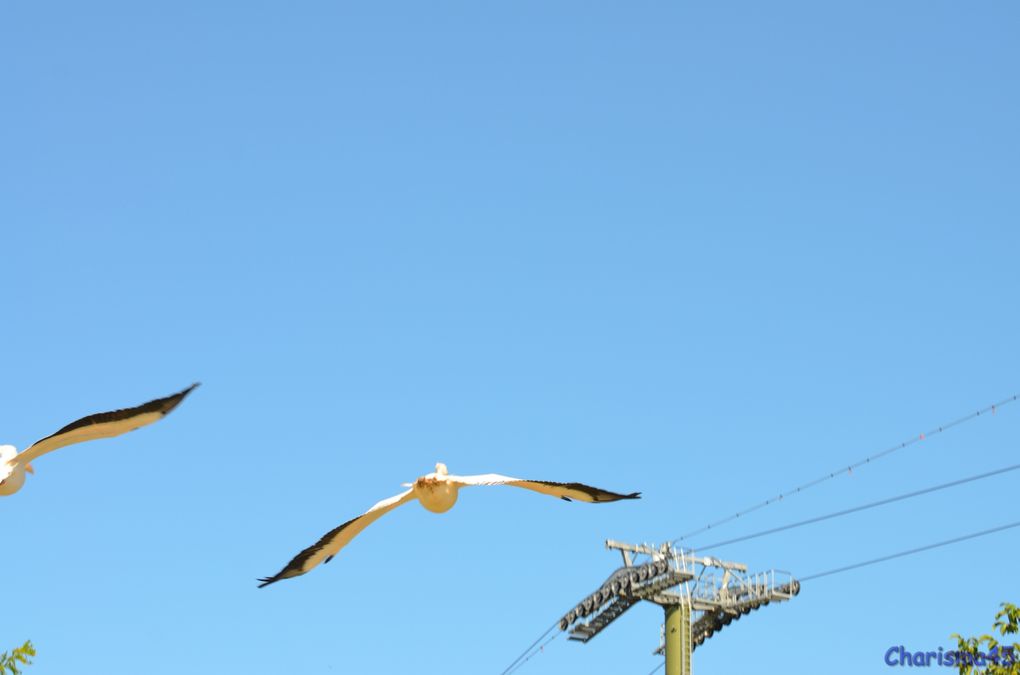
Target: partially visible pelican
[13,466]
[437,492]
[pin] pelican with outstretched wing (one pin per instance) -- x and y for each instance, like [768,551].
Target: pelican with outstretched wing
[437,492]
[14,465]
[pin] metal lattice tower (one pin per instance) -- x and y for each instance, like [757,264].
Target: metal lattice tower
[700,596]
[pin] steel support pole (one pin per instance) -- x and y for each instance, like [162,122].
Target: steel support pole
[678,639]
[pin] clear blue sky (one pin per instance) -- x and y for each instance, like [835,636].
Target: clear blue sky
[702,250]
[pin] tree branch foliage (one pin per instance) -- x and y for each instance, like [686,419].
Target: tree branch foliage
[1007,622]
[22,656]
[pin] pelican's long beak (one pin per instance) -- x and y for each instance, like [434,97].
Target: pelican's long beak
[28,468]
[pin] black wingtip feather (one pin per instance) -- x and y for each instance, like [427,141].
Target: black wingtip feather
[171,402]
[163,406]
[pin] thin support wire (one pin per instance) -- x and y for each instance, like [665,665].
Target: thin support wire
[516,662]
[901,554]
[863,507]
[849,469]
[534,653]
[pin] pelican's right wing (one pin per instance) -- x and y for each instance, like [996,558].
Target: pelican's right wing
[334,540]
[567,491]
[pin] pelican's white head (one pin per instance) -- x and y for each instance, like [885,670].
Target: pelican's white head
[12,476]
[441,469]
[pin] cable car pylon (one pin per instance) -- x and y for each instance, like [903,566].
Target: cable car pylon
[700,596]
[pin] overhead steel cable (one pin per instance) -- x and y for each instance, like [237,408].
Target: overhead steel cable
[863,507]
[849,468]
[524,656]
[540,649]
[901,554]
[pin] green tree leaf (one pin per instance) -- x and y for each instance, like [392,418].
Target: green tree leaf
[9,662]
[1007,622]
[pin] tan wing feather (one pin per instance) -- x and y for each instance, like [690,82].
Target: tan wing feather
[105,425]
[334,540]
[567,491]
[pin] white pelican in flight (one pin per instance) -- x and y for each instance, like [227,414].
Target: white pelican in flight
[101,425]
[437,492]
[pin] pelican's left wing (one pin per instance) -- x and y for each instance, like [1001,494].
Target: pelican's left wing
[567,491]
[334,540]
[105,425]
